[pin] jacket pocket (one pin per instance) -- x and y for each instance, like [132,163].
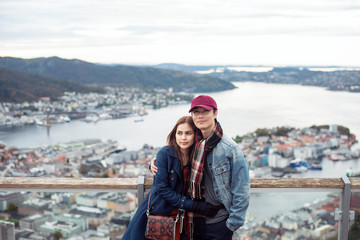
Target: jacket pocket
[222,173]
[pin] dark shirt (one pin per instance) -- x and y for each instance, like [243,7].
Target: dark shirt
[210,197]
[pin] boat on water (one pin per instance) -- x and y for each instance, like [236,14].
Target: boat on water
[51,119]
[315,167]
[91,118]
[278,174]
[302,165]
[104,116]
[343,154]
[42,122]
[299,165]
[336,157]
[143,112]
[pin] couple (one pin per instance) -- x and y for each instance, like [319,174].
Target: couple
[202,172]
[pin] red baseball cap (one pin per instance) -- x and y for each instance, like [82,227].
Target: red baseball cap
[203,101]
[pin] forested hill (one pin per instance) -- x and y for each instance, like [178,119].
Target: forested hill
[115,75]
[19,86]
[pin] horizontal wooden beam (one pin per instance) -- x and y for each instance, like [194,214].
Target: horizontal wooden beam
[24,183]
[71,183]
[355,183]
[296,183]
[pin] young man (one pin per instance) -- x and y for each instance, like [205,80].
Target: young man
[219,173]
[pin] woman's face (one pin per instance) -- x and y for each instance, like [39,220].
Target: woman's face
[184,136]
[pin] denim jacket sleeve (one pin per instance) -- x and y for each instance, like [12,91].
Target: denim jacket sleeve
[240,189]
[162,180]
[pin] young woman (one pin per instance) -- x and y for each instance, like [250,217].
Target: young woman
[171,183]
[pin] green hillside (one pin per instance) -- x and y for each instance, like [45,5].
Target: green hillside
[19,86]
[118,75]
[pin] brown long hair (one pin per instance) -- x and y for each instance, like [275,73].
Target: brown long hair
[171,139]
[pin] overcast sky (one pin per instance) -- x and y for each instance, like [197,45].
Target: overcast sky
[236,32]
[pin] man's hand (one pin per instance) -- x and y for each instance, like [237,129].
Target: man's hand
[152,166]
[205,208]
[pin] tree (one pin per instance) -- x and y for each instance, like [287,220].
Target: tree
[343,130]
[237,139]
[262,132]
[58,235]
[12,208]
[282,131]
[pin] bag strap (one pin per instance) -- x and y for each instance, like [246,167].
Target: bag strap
[148,206]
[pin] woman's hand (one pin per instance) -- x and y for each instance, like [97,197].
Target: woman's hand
[152,166]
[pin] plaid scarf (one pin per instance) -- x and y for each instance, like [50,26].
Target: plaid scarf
[203,146]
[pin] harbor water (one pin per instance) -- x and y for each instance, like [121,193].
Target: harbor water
[241,110]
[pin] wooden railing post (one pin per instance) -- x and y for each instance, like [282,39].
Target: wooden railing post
[344,215]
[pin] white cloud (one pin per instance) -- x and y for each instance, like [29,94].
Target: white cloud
[316,32]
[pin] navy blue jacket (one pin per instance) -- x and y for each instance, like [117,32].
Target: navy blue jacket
[165,193]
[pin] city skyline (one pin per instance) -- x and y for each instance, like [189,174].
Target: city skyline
[316,33]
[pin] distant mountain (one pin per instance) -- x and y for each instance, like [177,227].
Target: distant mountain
[184,68]
[115,75]
[340,80]
[19,86]
[201,68]
[334,78]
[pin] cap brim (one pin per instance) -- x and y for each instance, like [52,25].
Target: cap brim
[202,106]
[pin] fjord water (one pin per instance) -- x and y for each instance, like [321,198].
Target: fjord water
[241,110]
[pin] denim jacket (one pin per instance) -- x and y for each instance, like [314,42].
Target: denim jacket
[230,176]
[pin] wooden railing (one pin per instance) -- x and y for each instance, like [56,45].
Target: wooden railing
[342,185]
[113,184]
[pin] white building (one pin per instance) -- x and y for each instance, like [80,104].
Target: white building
[333,129]
[276,161]
[7,230]
[33,222]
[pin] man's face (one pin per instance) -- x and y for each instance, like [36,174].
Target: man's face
[204,119]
